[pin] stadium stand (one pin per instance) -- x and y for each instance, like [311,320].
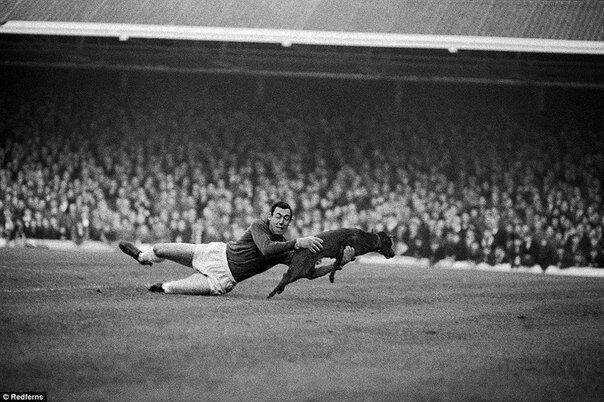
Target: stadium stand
[467,180]
[457,172]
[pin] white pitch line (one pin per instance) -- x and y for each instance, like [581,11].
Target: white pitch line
[52,289]
[2,266]
[44,270]
[64,288]
[21,269]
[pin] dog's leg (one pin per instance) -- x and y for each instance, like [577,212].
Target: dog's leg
[299,268]
[288,277]
[337,265]
[281,286]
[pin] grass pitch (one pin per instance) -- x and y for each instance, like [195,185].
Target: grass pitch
[83,326]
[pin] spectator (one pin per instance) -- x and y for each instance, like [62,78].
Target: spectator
[478,186]
[530,250]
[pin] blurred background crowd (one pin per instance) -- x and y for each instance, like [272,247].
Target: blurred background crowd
[477,183]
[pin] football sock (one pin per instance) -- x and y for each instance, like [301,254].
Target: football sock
[196,284]
[149,256]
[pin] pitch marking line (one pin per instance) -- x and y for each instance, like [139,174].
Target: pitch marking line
[37,271]
[55,289]
[44,270]
[2,266]
[67,288]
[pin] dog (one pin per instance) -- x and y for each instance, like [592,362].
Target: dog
[334,242]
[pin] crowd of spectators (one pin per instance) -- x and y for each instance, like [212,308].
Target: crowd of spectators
[485,186]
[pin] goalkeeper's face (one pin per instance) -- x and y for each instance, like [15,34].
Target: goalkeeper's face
[279,221]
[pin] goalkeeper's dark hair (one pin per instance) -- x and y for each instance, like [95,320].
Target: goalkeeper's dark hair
[282,205]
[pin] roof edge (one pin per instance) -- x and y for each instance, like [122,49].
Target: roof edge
[286,38]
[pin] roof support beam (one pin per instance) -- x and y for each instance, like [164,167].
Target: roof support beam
[290,37]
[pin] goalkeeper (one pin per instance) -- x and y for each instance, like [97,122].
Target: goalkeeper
[220,266]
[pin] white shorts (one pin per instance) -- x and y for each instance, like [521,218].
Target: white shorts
[210,259]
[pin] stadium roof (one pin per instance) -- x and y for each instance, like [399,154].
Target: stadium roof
[557,26]
[531,42]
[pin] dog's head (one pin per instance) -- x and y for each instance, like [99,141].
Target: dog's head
[385,245]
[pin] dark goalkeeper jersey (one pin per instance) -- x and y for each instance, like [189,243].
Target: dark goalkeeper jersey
[257,250]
